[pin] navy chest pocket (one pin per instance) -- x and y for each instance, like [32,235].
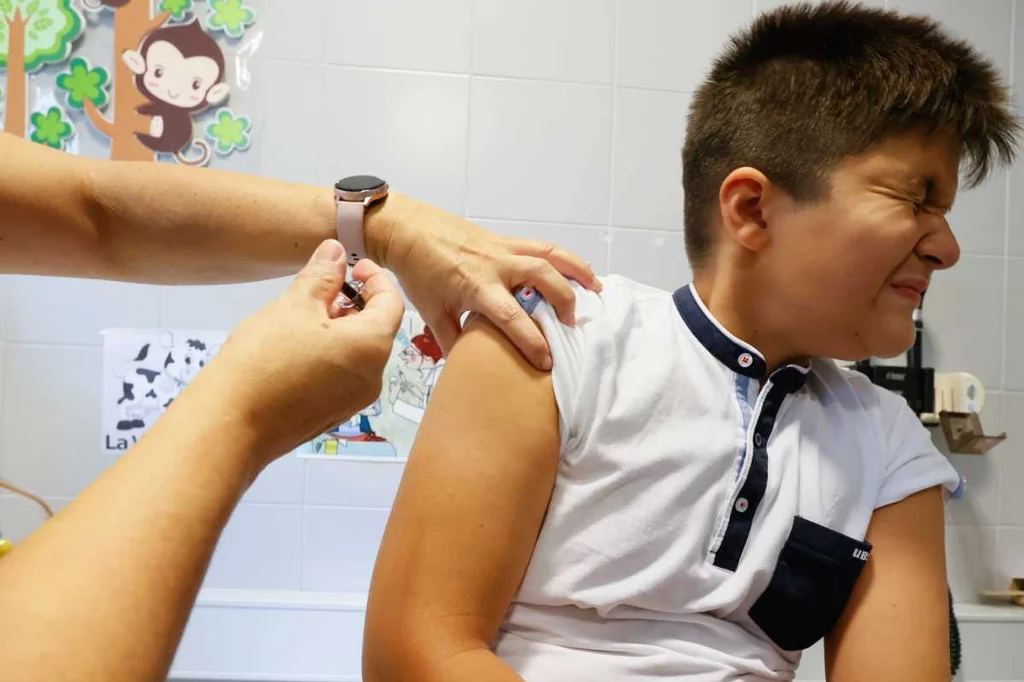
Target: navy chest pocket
[811,585]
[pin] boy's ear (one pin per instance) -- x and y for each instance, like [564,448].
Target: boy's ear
[742,201]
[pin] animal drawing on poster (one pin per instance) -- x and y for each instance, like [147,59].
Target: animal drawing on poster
[179,69]
[181,368]
[413,380]
[139,402]
[356,437]
[155,377]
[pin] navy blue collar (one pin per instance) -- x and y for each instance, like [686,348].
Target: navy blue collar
[732,352]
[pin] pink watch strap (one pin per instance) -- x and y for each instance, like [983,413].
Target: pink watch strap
[350,229]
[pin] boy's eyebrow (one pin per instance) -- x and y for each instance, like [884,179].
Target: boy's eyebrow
[929,186]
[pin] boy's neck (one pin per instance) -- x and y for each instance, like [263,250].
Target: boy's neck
[741,310]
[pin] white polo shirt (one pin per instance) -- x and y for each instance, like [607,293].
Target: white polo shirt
[702,524]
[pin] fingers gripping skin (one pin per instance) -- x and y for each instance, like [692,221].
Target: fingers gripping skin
[449,266]
[561,261]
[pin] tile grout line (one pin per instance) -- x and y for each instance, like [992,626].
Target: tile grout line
[1006,274]
[615,122]
[302,525]
[471,72]
[1006,230]
[469,106]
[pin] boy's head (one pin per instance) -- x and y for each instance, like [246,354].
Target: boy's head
[822,154]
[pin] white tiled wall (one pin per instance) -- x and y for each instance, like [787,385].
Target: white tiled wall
[554,119]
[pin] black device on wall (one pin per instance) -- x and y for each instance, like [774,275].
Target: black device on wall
[914,382]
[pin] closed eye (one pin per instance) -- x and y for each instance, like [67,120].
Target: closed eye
[931,207]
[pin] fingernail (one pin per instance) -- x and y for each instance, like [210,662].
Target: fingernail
[330,251]
[545,363]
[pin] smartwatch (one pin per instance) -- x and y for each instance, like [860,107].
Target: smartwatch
[352,195]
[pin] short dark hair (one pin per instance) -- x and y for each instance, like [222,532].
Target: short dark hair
[805,86]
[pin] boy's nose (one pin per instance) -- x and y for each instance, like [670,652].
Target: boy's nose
[940,247]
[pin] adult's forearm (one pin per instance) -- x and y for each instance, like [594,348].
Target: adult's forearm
[161,223]
[108,583]
[172,224]
[178,225]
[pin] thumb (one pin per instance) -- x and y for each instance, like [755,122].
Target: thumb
[323,275]
[383,299]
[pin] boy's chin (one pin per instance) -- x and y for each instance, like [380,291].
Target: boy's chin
[882,341]
[891,341]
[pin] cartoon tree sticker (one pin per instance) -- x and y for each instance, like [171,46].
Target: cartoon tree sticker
[133,20]
[51,128]
[165,75]
[83,83]
[228,132]
[33,34]
[180,10]
[230,16]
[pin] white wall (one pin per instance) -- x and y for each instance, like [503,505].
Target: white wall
[559,119]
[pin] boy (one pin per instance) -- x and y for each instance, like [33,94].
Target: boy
[698,491]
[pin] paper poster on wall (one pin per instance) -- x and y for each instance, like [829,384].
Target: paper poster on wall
[387,428]
[144,370]
[162,94]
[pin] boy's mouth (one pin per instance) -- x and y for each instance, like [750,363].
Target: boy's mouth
[912,288]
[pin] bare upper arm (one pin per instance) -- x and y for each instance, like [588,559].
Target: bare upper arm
[897,620]
[468,511]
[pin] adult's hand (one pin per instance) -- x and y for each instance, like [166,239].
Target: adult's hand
[104,589]
[301,365]
[448,266]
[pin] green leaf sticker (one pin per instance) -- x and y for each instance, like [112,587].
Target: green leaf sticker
[230,16]
[50,29]
[82,82]
[52,128]
[229,132]
[178,9]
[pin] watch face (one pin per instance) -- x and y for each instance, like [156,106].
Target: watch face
[359,183]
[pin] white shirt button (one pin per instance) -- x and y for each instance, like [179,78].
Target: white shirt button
[745,359]
[742,504]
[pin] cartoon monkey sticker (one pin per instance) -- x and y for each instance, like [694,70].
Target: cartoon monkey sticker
[180,70]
